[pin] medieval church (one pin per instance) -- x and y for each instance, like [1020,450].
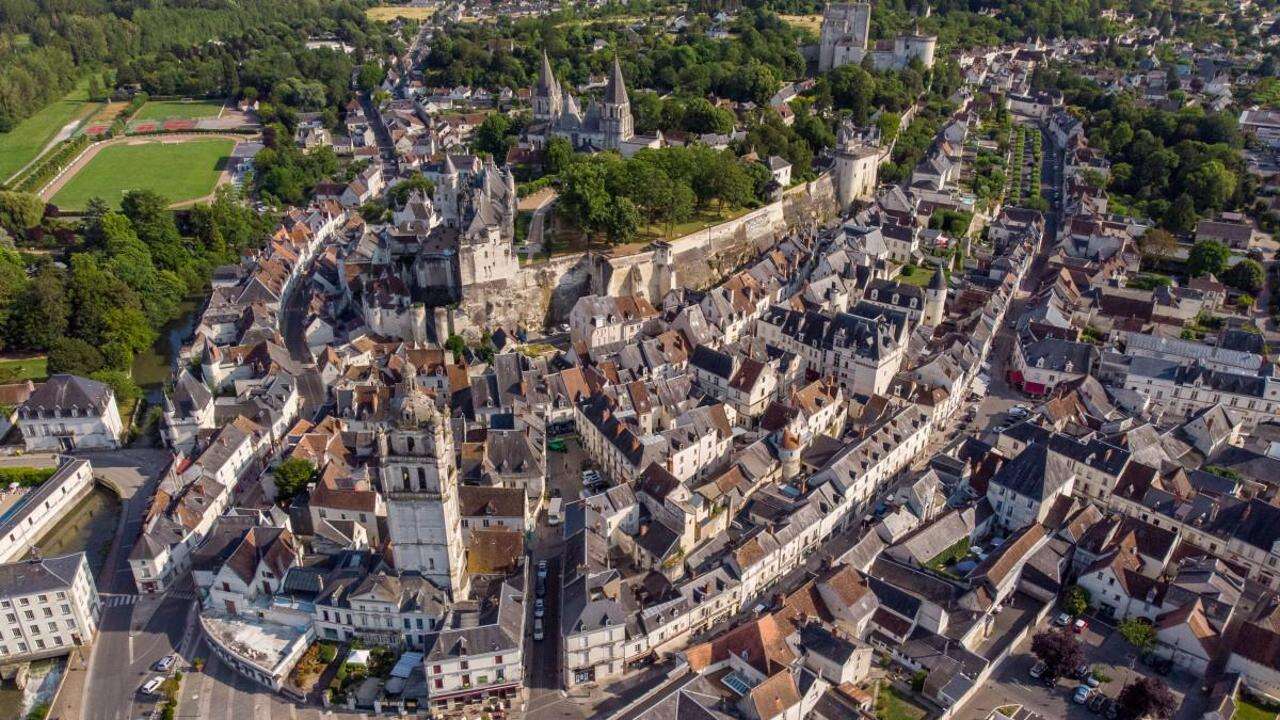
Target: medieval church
[605,124]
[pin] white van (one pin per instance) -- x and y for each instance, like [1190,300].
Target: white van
[554,514]
[152,686]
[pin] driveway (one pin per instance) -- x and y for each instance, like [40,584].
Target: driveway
[1105,650]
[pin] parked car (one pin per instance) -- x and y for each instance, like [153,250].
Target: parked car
[542,569]
[152,686]
[1079,625]
[1038,669]
[1082,694]
[538,633]
[1049,680]
[1111,709]
[1082,671]
[1097,702]
[1062,620]
[166,662]
[541,587]
[1018,411]
[1092,681]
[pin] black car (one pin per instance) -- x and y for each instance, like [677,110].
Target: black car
[1049,680]
[1097,702]
[1112,710]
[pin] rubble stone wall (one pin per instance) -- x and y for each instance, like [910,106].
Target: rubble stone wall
[542,293]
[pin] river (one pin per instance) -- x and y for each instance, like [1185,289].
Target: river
[152,369]
[89,526]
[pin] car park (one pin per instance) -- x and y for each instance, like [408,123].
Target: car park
[1081,695]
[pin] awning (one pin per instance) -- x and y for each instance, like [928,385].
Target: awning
[1034,388]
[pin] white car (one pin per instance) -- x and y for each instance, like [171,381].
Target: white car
[1062,620]
[166,662]
[152,686]
[539,608]
[538,633]
[542,569]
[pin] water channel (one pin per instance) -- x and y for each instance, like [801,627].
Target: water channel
[88,527]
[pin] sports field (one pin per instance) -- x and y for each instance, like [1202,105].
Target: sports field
[180,171]
[23,143]
[387,13]
[179,110]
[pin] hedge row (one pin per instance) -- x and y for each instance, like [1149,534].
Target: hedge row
[49,168]
[25,476]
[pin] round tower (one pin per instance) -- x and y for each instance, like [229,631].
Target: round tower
[935,298]
[789,454]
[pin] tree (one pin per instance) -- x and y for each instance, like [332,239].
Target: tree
[126,390]
[75,356]
[456,345]
[291,477]
[1207,257]
[1075,600]
[1244,302]
[1211,185]
[1158,244]
[19,210]
[1182,214]
[40,313]
[1246,275]
[493,135]
[1138,633]
[1059,650]
[557,155]
[1147,697]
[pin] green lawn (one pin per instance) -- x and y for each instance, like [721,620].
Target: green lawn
[1247,710]
[919,276]
[945,559]
[891,705]
[179,110]
[23,143]
[16,369]
[179,171]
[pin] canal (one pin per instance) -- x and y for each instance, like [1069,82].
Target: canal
[88,527]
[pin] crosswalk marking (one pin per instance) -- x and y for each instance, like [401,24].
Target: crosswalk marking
[118,600]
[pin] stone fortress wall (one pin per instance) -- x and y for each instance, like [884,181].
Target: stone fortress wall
[542,293]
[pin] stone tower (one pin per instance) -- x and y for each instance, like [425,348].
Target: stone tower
[547,99]
[843,38]
[935,299]
[420,480]
[615,111]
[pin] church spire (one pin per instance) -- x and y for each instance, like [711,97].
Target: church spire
[616,92]
[546,77]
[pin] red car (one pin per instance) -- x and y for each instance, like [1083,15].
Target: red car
[1079,625]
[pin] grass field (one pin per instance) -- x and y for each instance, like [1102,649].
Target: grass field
[1246,709]
[387,13]
[22,144]
[812,23]
[179,110]
[891,705]
[179,171]
[17,369]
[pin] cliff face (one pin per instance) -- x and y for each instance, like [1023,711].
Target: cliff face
[542,293]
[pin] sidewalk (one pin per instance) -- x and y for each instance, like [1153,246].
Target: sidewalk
[67,701]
